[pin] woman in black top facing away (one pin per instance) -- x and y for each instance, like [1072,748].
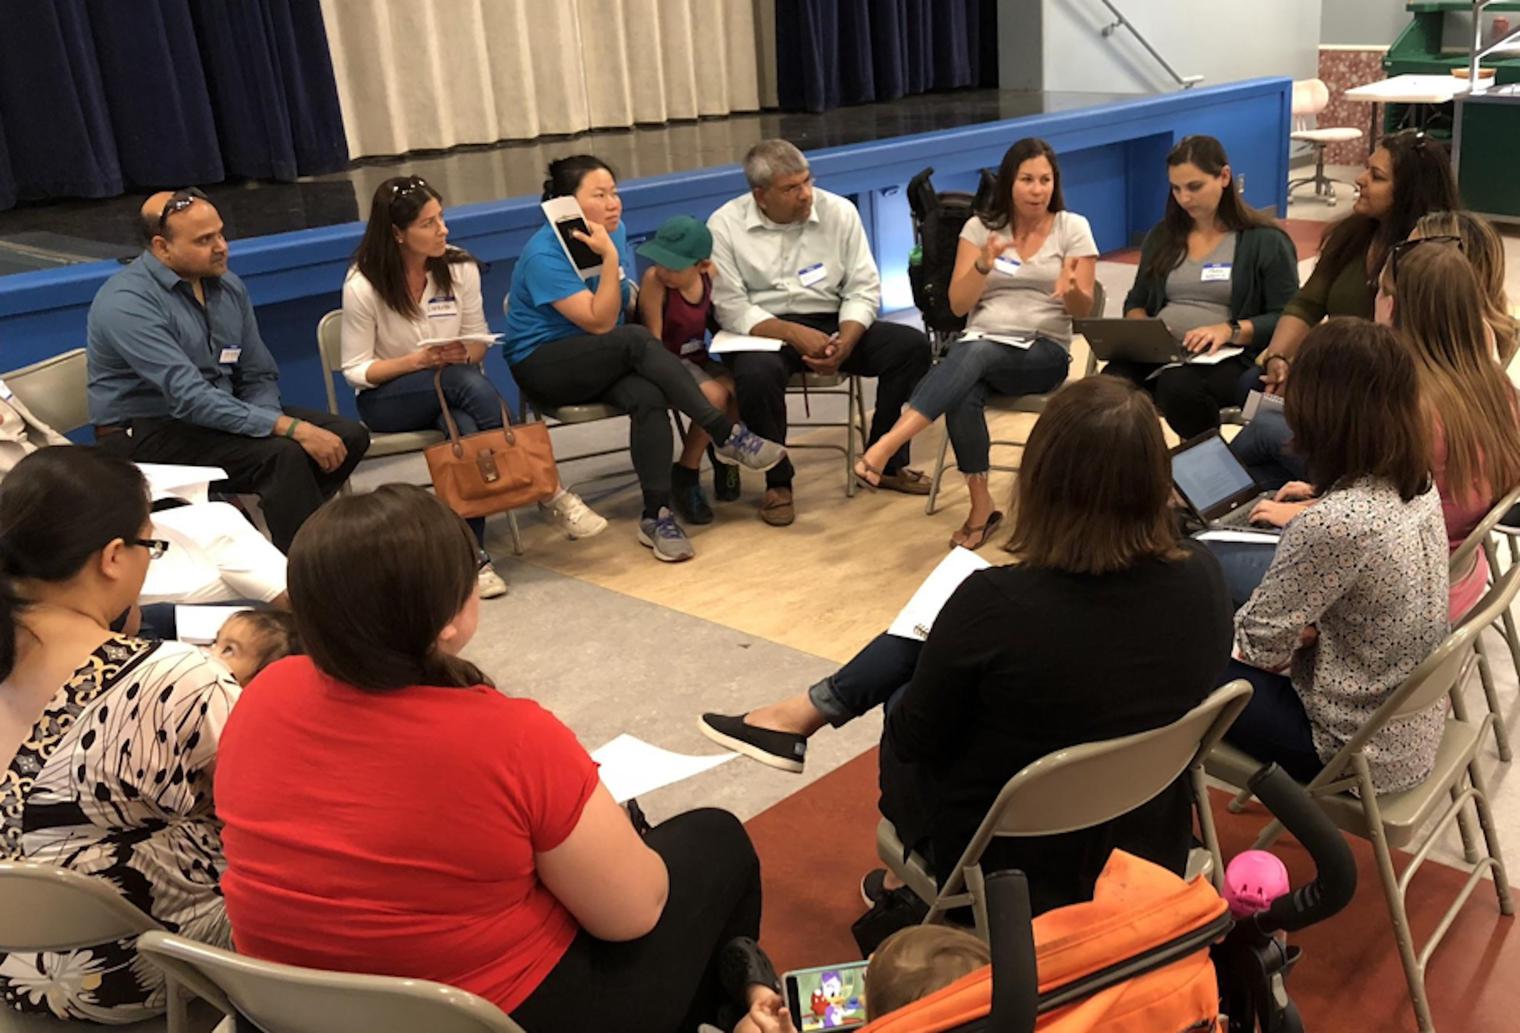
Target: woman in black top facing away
[1012,668]
[1218,273]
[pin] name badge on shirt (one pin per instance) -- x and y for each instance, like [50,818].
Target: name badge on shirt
[812,274]
[1007,266]
[230,356]
[689,348]
[442,307]
[1216,272]
[5,393]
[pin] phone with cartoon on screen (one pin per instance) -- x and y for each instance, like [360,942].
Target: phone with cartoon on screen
[827,998]
[565,215]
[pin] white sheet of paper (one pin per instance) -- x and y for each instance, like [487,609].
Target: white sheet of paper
[1009,339]
[918,616]
[167,480]
[1219,356]
[1256,401]
[1243,537]
[438,342]
[199,624]
[724,342]
[632,767]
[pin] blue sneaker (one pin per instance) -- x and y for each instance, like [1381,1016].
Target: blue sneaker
[663,535]
[746,448]
[690,502]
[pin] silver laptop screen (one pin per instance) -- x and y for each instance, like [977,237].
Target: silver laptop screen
[1208,474]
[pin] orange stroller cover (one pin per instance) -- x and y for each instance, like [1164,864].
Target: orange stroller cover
[1137,907]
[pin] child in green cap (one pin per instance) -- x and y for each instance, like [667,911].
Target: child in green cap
[675,304]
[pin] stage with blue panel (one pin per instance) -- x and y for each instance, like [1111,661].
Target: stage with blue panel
[1112,155]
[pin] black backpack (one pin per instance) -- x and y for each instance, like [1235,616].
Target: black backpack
[937,223]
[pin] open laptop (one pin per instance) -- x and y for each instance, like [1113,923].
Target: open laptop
[1214,484]
[1133,340]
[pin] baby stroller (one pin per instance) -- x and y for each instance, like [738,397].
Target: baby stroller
[1149,954]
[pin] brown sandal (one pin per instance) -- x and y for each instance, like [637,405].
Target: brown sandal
[864,479]
[980,533]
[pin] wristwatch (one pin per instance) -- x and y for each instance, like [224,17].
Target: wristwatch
[1234,330]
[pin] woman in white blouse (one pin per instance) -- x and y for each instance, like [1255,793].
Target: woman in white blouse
[408,286]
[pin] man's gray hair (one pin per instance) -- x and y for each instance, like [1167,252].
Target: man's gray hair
[771,158]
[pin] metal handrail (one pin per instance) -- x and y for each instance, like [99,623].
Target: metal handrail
[1185,81]
[1479,51]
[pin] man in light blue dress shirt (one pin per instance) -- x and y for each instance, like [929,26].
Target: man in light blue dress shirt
[179,374]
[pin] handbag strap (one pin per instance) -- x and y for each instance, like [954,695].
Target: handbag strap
[448,417]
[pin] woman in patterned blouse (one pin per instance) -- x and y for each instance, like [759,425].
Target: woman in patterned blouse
[1355,594]
[108,739]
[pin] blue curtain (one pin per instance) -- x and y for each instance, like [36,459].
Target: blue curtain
[831,53]
[98,97]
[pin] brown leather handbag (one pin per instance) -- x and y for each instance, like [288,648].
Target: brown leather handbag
[494,470]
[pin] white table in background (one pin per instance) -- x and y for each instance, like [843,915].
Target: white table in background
[1405,89]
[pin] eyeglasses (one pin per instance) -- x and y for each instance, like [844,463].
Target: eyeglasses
[409,185]
[156,546]
[1405,246]
[180,200]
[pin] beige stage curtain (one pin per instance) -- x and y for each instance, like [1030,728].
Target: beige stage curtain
[427,74]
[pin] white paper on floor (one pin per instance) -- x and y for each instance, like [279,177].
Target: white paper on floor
[632,767]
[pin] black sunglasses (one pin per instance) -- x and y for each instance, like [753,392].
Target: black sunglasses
[180,200]
[1405,246]
[156,546]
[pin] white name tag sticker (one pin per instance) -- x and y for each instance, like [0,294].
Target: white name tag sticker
[692,347]
[5,393]
[442,308]
[1006,265]
[1216,272]
[230,356]
[812,274]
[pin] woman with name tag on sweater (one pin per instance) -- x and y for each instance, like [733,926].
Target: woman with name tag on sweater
[1005,672]
[1218,274]
[1023,269]
[407,287]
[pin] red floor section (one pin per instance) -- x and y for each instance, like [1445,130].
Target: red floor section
[815,845]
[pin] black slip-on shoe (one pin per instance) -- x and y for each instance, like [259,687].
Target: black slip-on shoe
[783,750]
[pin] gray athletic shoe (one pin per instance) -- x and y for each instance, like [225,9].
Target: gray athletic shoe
[665,537]
[746,448]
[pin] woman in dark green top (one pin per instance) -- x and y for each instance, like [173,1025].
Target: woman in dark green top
[1217,273]
[1407,176]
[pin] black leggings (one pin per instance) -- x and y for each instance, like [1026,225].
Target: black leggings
[665,981]
[628,368]
[1190,397]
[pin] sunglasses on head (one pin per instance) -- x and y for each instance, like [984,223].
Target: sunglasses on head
[409,185]
[178,202]
[1405,246]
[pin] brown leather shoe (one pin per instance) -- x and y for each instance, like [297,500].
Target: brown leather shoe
[776,508]
[909,482]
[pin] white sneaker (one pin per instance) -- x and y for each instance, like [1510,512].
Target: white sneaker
[490,583]
[573,516]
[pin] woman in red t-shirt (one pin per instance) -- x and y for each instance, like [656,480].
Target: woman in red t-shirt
[389,811]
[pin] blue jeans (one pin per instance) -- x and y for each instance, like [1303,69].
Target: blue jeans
[1262,446]
[958,386]
[410,403]
[874,677]
[1274,725]
[1244,565]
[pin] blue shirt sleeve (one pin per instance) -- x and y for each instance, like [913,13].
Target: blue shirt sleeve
[549,277]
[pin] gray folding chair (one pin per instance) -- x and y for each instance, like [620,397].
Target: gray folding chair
[289,999]
[54,390]
[1012,403]
[1077,788]
[330,349]
[1462,562]
[46,908]
[1414,818]
[854,423]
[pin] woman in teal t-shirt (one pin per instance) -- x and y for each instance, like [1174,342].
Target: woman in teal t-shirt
[567,344]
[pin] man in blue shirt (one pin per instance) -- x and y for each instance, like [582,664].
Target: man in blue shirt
[179,374]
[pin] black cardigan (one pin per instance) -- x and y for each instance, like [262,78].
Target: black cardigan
[1264,278]
[1022,662]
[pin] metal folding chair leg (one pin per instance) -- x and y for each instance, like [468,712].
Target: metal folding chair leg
[939,475]
[517,542]
[1491,694]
